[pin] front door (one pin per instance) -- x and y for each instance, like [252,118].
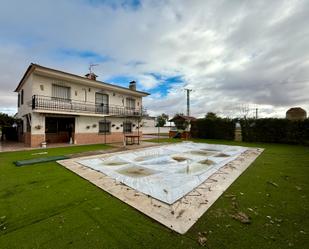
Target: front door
[101,103]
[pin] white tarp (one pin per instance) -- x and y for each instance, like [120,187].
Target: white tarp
[168,172]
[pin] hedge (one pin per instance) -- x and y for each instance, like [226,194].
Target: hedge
[274,130]
[218,128]
[267,130]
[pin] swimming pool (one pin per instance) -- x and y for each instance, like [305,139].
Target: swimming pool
[166,172]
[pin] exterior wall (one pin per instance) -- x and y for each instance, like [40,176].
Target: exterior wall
[25,108]
[93,138]
[36,140]
[85,124]
[27,138]
[87,130]
[149,127]
[78,91]
[33,140]
[38,124]
[154,130]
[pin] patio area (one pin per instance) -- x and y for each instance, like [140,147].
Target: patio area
[6,146]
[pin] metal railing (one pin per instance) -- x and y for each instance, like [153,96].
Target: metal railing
[40,102]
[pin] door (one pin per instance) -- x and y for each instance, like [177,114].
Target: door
[101,103]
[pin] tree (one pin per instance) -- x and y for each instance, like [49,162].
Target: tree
[161,120]
[6,120]
[244,110]
[211,115]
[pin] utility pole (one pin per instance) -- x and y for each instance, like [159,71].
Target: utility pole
[256,113]
[188,100]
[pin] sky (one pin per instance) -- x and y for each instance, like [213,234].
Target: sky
[236,56]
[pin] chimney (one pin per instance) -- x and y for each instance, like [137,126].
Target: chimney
[91,76]
[132,85]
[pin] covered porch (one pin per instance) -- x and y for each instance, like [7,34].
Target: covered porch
[59,129]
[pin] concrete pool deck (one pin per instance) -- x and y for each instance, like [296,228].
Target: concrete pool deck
[180,215]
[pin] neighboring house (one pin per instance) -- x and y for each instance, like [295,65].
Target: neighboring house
[182,120]
[60,107]
[296,113]
[149,126]
[183,126]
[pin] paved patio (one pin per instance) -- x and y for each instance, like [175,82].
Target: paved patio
[12,146]
[7,146]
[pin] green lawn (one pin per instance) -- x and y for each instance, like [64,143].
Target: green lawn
[47,206]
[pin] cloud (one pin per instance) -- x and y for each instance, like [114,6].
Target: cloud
[231,53]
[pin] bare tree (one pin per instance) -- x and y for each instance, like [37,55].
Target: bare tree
[244,110]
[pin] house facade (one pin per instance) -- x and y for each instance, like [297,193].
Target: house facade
[59,107]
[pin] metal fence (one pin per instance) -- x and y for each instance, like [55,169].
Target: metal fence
[67,105]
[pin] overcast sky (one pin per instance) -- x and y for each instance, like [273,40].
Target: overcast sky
[233,54]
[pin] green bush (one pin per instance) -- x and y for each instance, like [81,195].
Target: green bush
[267,130]
[274,130]
[217,128]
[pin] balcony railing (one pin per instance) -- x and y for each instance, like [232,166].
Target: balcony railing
[67,105]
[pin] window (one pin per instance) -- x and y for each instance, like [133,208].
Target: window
[127,127]
[22,97]
[18,100]
[130,103]
[101,103]
[61,92]
[104,126]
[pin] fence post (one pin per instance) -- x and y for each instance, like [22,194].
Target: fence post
[238,133]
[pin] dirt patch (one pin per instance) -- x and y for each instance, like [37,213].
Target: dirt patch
[201,152]
[179,158]
[207,162]
[213,150]
[115,163]
[242,217]
[136,171]
[202,240]
[222,155]
[145,158]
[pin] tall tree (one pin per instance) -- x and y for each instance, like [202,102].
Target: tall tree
[6,120]
[211,115]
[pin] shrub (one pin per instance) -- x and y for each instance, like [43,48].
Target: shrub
[274,130]
[267,130]
[217,128]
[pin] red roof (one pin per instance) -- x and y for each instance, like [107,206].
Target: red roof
[188,118]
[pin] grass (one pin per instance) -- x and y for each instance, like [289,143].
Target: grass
[47,206]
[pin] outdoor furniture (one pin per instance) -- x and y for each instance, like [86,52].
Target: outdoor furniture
[131,139]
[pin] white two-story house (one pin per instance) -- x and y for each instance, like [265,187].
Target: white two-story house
[60,107]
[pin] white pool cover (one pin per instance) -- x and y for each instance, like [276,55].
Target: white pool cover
[168,172]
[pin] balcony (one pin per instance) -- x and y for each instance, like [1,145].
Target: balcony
[45,103]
